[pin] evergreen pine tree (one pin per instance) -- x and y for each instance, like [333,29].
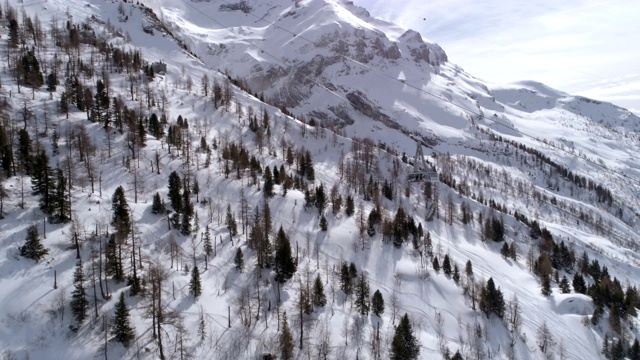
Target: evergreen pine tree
[14,37]
[121,219]
[618,350]
[579,285]
[513,254]
[208,247]
[377,303]
[308,165]
[141,133]
[457,356]
[362,295]
[564,285]
[372,219]
[404,345]
[634,351]
[100,109]
[349,206]
[155,127]
[546,285]
[318,297]
[345,279]
[446,265]
[175,192]
[320,198]
[436,264]
[353,272]
[157,207]
[285,340]
[113,266]
[6,152]
[62,205]
[195,286]
[79,302]
[468,269]
[238,260]
[456,274]
[323,223]
[267,188]
[504,251]
[43,182]
[202,329]
[231,222]
[285,267]
[25,152]
[121,324]
[196,189]
[187,212]
[30,70]
[492,300]
[33,248]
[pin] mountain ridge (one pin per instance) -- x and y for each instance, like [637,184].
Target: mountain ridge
[509,157]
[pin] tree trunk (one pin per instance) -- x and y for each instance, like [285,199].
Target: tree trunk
[100,269]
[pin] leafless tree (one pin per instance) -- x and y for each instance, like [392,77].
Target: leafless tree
[227,94]
[189,83]
[546,342]
[324,340]
[159,315]
[204,84]
[476,344]
[514,314]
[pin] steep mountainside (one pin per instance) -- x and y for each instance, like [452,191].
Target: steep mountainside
[268,143]
[330,62]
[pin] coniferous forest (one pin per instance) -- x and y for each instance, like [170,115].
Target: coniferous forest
[157,202]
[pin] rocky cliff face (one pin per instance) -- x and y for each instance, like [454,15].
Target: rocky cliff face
[291,52]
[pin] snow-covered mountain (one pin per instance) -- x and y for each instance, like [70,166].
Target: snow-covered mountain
[354,93]
[330,61]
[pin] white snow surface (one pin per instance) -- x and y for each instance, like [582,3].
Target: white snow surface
[594,139]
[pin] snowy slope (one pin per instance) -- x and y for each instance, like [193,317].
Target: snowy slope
[326,60]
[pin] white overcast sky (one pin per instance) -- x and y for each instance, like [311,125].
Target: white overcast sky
[584,47]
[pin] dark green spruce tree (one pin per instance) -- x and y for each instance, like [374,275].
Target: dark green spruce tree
[24,154]
[121,218]
[187,212]
[62,205]
[30,70]
[377,303]
[79,302]
[285,340]
[157,206]
[121,324]
[492,300]
[285,267]
[446,265]
[317,296]
[33,248]
[404,345]
[175,197]
[43,182]
[113,265]
[238,260]
[231,223]
[195,286]
[345,279]
[100,110]
[208,247]
[362,296]
[324,225]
